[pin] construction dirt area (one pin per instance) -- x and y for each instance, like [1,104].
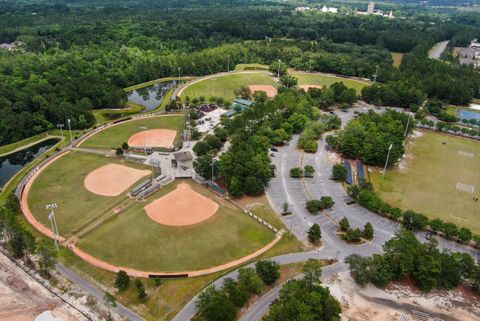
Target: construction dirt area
[112,179]
[24,299]
[181,207]
[153,138]
[270,90]
[398,301]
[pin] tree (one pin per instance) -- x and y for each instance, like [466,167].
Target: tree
[414,221]
[243,92]
[450,230]
[288,81]
[122,280]
[368,231]
[268,271]
[308,170]
[203,166]
[110,302]
[237,294]
[344,224]
[119,151]
[339,172]
[214,305]
[296,172]
[47,256]
[125,146]
[141,294]
[314,233]
[278,67]
[359,268]
[312,271]
[353,235]
[464,234]
[250,280]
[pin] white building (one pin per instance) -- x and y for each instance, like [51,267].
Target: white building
[326,9]
[372,11]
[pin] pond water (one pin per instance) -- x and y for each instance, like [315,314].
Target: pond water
[11,164]
[152,96]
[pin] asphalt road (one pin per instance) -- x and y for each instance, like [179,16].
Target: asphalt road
[296,192]
[438,49]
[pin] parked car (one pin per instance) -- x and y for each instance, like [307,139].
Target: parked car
[274,149]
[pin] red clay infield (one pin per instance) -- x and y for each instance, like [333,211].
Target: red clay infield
[270,90]
[181,207]
[112,179]
[153,138]
[305,87]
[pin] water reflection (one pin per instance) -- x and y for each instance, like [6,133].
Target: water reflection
[151,97]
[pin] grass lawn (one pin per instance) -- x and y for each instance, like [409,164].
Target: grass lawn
[397,58]
[226,236]
[242,67]
[427,182]
[225,85]
[62,183]
[106,115]
[325,80]
[116,135]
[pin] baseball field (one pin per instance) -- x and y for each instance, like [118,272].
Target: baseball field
[225,85]
[182,227]
[439,177]
[114,136]
[317,79]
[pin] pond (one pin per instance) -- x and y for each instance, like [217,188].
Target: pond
[12,163]
[152,96]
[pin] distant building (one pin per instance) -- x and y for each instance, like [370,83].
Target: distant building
[302,9]
[239,105]
[474,43]
[326,9]
[372,11]
[12,46]
[371,7]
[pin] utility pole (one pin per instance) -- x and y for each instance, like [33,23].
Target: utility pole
[61,132]
[408,123]
[51,217]
[279,62]
[376,74]
[386,162]
[70,130]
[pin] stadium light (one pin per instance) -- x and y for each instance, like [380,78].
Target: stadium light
[51,217]
[70,130]
[279,62]
[386,162]
[410,114]
[376,74]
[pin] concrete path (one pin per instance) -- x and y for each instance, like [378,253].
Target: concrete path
[438,49]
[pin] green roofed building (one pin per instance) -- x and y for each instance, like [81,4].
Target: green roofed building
[239,104]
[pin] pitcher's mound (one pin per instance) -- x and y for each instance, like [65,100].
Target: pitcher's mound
[270,90]
[181,207]
[153,138]
[112,179]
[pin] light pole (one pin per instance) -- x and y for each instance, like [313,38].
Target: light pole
[178,72]
[213,162]
[228,63]
[144,139]
[61,132]
[386,162]
[279,62]
[376,74]
[51,217]
[408,123]
[70,130]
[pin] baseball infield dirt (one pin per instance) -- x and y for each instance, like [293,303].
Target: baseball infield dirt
[153,138]
[181,207]
[306,87]
[270,90]
[112,179]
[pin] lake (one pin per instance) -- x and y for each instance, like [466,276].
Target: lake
[152,96]
[12,163]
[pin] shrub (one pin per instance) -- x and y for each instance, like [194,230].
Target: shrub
[368,232]
[339,172]
[268,271]
[314,233]
[344,224]
[308,171]
[353,235]
[296,172]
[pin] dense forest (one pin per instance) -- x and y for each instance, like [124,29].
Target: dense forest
[77,55]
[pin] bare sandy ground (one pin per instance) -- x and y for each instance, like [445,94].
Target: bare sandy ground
[306,87]
[270,90]
[153,138]
[181,207]
[23,299]
[373,304]
[112,179]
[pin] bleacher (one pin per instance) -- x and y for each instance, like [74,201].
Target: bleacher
[143,185]
[348,167]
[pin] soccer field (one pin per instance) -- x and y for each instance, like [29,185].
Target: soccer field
[426,181]
[116,135]
[225,85]
[327,80]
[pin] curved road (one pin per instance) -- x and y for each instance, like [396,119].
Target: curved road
[296,192]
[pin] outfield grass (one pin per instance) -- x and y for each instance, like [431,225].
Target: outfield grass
[225,85]
[62,183]
[242,67]
[326,80]
[115,136]
[428,181]
[133,240]
[397,58]
[102,115]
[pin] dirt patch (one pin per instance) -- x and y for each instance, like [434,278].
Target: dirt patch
[23,299]
[181,207]
[270,90]
[306,87]
[373,304]
[112,179]
[153,138]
